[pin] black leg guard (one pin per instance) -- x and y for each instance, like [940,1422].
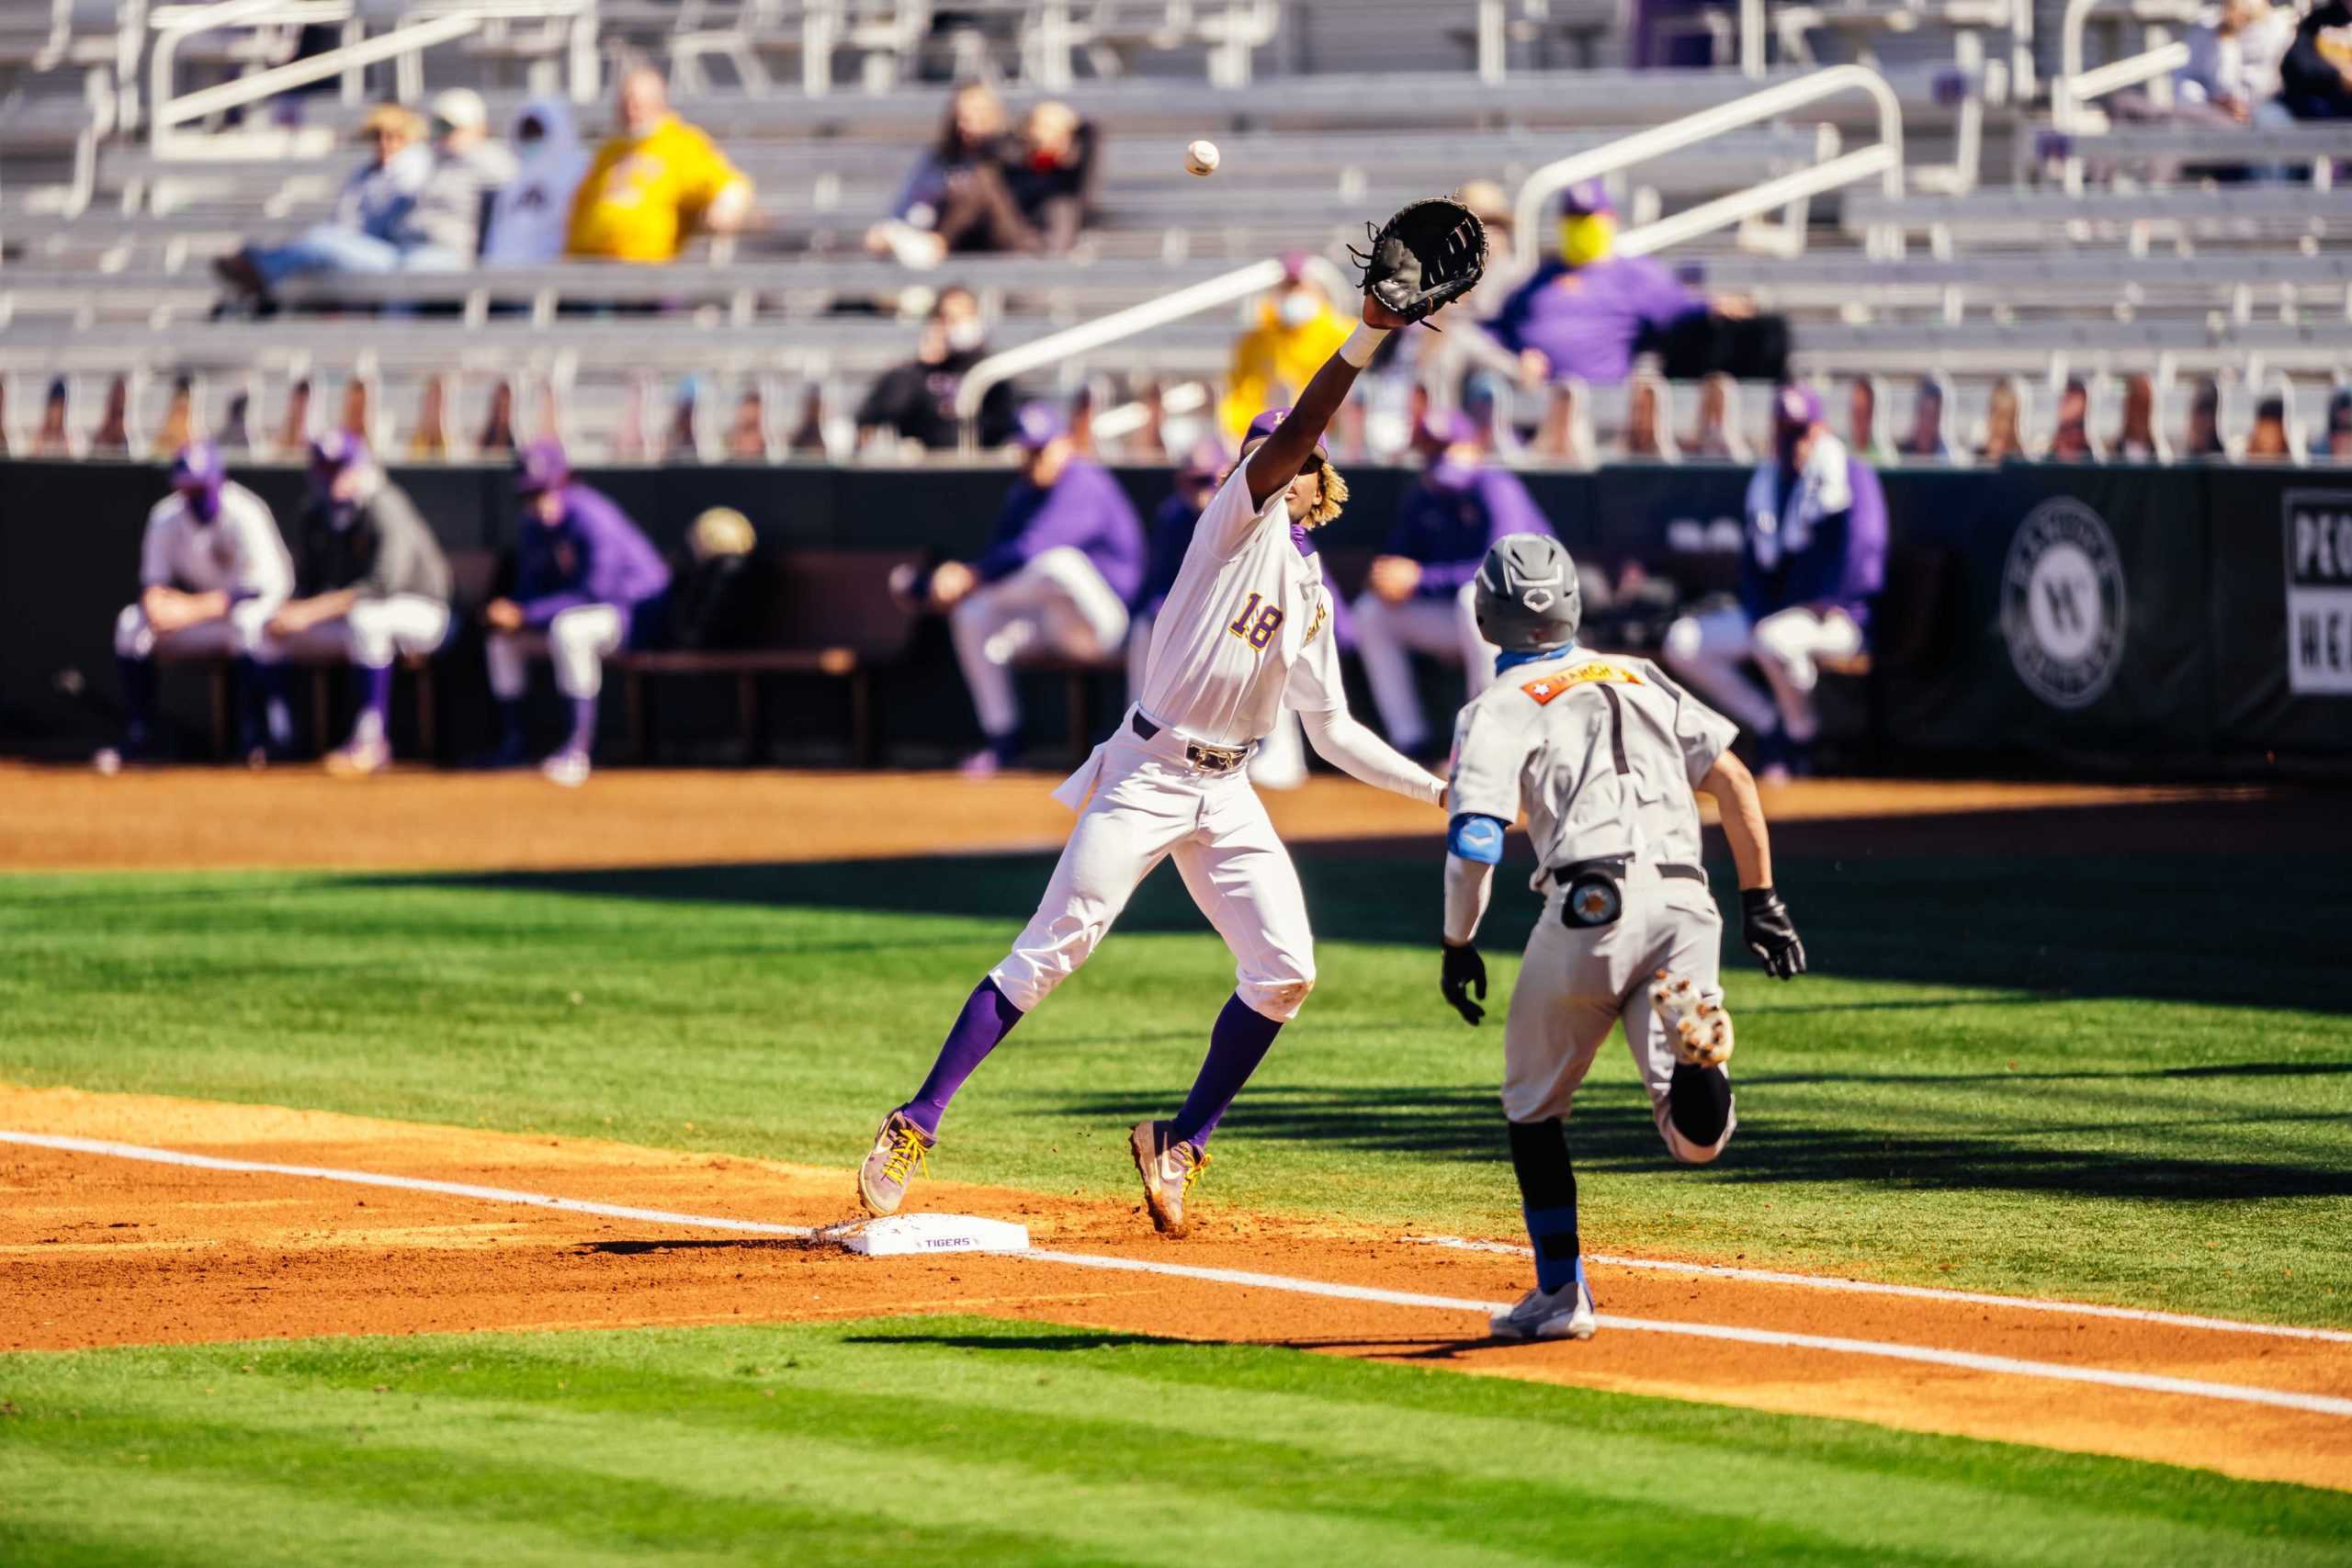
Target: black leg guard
[1538,1154]
[1698,1101]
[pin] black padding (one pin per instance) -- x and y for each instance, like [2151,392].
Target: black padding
[1698,1101]
[1539,1156]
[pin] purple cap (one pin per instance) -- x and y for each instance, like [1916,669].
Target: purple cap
[1268,422]
[198,466]
[1037,425]
[541,466]
[335,450]
[1586,197]
[1207,460]
[1795,406]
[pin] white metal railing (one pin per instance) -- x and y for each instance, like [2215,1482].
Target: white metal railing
[2075,87]
[1883,161]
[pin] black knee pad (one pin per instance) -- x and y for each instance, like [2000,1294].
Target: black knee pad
[1539,1156]
[1698,1101]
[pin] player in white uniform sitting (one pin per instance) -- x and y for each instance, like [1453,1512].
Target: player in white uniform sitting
[1604,754]
[1246,627]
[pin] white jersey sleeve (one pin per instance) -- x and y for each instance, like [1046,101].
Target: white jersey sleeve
[1230,518]
[164,520]
[1492,740]
[1315,684]
[262,566]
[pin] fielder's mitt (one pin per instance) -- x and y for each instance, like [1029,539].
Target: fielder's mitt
[1428,255]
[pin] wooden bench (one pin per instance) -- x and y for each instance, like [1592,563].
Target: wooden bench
[1078,676]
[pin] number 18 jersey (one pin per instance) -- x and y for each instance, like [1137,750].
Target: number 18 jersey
[1246,627]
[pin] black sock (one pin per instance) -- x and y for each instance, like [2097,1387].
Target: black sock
[1547,1194]
[1698,1101]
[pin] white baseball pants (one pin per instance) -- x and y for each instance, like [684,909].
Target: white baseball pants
[577,642]
[1788,645]
[1446,628]
[1281,762]
[1146,804]
[1058,602]
[236,635]
[371,634]
[1576,984]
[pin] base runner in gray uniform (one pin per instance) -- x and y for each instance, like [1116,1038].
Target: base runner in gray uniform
[1604,754]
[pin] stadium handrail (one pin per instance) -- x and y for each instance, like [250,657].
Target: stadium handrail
[1883,161]
[2075,85]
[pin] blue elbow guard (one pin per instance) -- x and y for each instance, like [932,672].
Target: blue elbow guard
[1475,837]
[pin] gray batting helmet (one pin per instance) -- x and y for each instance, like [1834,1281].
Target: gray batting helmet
[1528,601]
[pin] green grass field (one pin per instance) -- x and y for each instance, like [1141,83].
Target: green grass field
[2026,1076]
[965,1440]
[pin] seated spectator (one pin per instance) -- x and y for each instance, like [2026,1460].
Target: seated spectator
[2003,424]
[1067,559]
[531,213]
[2218,83]
[50,439]
[969,134]
[294,430]
[2269,442]
[2201,441]
[178,427]
[2135,440]
[916,401]
[212,571]
[656,183]
[2335,441]
[1862,437]
[236,434]
[1927,436]
[373,585]
[112,437]
[430,440]
[683,443]
[746,438]
[1050,171]
[1590,312]
[1718,434]
[1645,427]
[586,584]
[497,438]
[364,234]
[442,229]
[2315,74]
[1418,595]
[2070,436]
[1813,558]
[1295,331]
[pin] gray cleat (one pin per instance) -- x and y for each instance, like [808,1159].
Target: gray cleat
[889,1170]
[1564,1313]
[1169,1165]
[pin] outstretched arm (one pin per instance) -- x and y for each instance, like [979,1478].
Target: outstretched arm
[1279,458]
[1341,739]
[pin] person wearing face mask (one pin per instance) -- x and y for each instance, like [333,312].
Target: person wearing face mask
[1296,331]
[1419,594]
[654,184]
[373,586]
[1587,314]
[916,401]
[528,216]
[1812,558]
[212,570]
[366,231]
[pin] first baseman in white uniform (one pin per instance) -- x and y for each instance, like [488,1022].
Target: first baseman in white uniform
[1246,628]
[1604,754]
[212,571]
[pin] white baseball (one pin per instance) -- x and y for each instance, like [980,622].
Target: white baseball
[1201,158]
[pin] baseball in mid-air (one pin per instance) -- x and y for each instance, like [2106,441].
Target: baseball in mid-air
[1201,158]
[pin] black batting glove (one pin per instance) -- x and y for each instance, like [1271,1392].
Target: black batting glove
[1770,934]
[1464,973]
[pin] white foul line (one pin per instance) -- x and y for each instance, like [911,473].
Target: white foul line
[1916,1293]
[2317,1404]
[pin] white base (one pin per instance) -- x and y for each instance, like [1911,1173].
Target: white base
[899,1236]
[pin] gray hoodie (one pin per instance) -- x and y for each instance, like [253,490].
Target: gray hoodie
[532,211]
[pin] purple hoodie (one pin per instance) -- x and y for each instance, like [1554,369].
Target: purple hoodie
[596,555]
[1083,508]
[1449,521]
[1591,326]
[1842,562]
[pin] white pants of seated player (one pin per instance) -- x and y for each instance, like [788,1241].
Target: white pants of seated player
[1576,984]
[1057,604]
[371,634]
[577,642]
[236,635]
[1281,762]
[1444,629]
[1787,646]
[1145,809]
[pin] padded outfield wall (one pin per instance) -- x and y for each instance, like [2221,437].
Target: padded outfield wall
[2148,621]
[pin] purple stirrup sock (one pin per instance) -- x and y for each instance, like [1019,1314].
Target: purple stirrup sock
[987,1017]
[1239,1042]
[376,691]
[584,725]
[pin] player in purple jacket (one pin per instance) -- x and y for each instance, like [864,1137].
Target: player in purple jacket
[1814,558]
[1418,594]
[1067,560]
[584,579]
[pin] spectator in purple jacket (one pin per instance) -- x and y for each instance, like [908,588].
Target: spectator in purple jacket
[1814,556]
[584,580]
[1067,560]
[1418,595]
[1586,314]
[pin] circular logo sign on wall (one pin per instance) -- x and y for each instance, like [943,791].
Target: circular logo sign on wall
[2062,607]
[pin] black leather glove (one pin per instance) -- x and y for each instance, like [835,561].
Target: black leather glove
[1770,934]
[1464,973]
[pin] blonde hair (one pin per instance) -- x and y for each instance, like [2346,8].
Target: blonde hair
[1334,496]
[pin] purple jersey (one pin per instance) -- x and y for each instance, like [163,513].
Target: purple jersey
[594,555]
[1589,322]
[1807,547]
[1083,509]
[1449,520]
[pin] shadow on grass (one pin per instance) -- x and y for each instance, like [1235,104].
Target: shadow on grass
[1011,1342]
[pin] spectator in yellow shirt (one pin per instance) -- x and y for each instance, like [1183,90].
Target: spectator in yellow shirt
[1296,331]
[654,184]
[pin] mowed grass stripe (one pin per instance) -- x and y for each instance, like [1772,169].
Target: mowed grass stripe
[1040,1444]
